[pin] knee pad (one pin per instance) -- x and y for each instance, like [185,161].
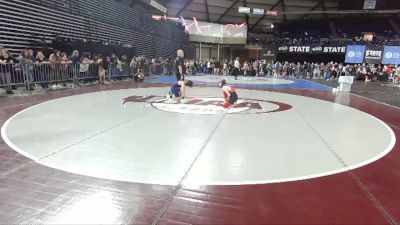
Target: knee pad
[227,105]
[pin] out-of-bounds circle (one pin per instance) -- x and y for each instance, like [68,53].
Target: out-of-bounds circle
[95,135]
[241,80]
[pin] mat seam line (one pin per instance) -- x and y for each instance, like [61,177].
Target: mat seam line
[179,187]
[89,137]
[356,179]
[376,101]
[9,172]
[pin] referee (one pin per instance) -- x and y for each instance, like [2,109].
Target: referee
[179,65]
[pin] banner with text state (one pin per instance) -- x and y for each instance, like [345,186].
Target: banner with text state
[312,49]
[373,55]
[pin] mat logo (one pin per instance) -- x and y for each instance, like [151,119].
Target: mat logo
[210,105]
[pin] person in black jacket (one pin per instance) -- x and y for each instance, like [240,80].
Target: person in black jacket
[75,66]
[179,66]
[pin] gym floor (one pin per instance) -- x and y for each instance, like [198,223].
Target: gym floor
[292,152]
[384,92]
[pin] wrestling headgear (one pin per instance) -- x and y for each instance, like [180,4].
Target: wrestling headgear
[189,83]
[222,83]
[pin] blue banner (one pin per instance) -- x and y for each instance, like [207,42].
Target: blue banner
[391,55]
[355,54]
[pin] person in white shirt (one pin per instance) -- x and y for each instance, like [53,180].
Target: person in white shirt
[236,68]
[209,66]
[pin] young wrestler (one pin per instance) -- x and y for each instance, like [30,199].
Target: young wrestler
[178,90]
[230,94]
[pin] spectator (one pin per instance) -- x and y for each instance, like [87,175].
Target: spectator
[31,55]
[75,60]
[2,50]
[6,64]
[328,70]
[256,67]
[225,68]
[42,70]
[26,63]
[113,66]
[217,66]
[158,63]
[140,65]
[334,72]
[133,65]
[102,69]
[316,70]
[84,67]
[139,75]
[204,67]
[384,75]
[396,78]
[246,69]
[362,73]
[65,66]
[165,67]
[123,66]
[55,59]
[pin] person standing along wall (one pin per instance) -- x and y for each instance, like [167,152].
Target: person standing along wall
[55,59]
[26,64]
[65,68]
[102,69]
[42,70]
[75,66]
[113,67]
[6,64]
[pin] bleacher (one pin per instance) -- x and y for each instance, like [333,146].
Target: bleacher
[33,23]
[357,28]
[319,33]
